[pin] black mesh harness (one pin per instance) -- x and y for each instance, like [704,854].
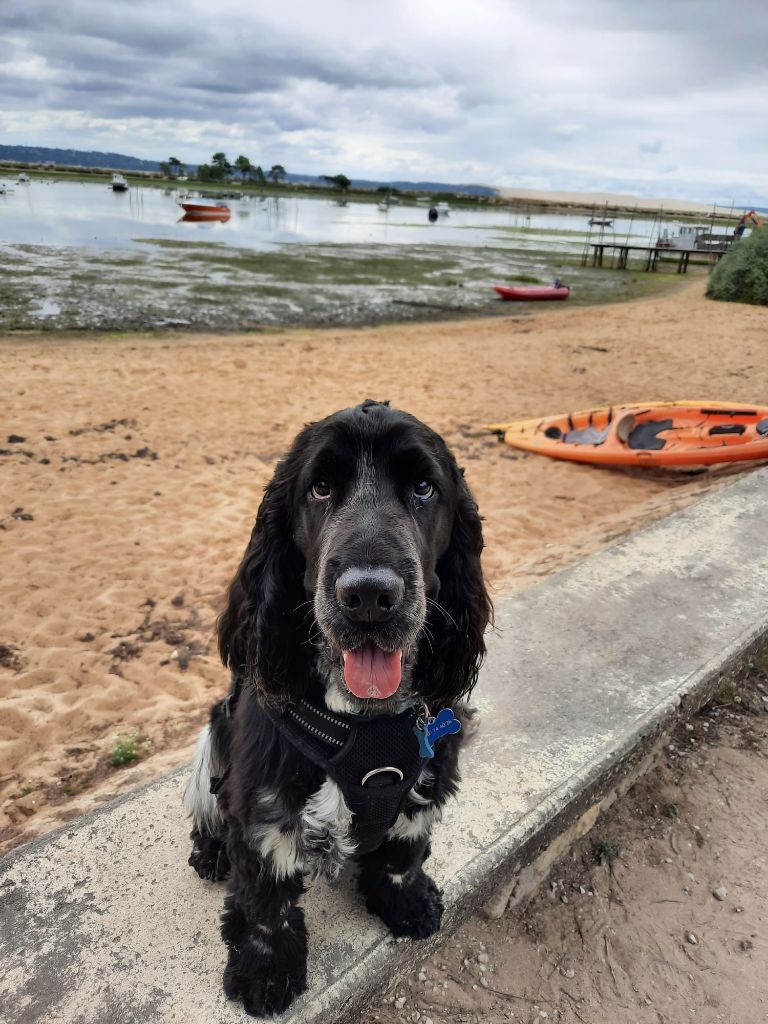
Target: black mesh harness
[374,761]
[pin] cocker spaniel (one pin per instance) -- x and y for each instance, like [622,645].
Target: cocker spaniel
[353,628]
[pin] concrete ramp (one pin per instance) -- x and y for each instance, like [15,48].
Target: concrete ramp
[103,921]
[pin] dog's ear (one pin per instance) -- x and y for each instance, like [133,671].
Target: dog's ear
[262,629]
[450,662]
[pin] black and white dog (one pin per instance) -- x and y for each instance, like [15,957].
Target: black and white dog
[356,615]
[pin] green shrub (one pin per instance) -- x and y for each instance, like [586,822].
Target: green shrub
[127,748]
[742,274]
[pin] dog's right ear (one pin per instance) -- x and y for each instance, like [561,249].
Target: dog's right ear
[264,626]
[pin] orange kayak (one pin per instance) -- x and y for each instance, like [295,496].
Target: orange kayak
[661,434]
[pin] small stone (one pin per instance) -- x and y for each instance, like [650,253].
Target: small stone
[484,982]
[422,976]
[482,958]
[688,727]
[563,898]
[570,973]
[720,893]
[474,988]
[400,1002]
[738,910]
[690,937]
[426,1020]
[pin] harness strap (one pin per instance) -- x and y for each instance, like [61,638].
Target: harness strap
[375,762]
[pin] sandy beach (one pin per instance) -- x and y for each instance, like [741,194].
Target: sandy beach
[132,468]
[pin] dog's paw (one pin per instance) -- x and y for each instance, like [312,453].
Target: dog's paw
[267,969]
[209,857]
[414,909]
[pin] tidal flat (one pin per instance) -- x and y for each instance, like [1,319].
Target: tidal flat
[204,285]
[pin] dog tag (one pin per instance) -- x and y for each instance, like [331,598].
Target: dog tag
[433,729]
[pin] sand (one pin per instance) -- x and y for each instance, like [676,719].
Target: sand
[613,199]
[127,505]
[659,916]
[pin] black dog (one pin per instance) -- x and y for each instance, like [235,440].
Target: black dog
[356,615]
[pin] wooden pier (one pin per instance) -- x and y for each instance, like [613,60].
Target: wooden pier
[653,253]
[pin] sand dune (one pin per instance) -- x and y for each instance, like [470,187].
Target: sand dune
[132,469]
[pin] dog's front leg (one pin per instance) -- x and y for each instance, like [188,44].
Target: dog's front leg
[263,927]
[397,888]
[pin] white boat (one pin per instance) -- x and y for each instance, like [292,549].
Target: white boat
[23,179]
[119,184]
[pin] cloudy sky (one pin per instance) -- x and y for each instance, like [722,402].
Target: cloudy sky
[655,97]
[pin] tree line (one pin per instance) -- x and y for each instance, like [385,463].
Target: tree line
[220,169]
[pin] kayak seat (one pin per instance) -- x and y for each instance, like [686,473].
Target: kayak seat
[762,428]
[586,436]
[645,437]
[624,427]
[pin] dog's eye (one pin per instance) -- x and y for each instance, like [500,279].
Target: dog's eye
[320,490]
[423,490]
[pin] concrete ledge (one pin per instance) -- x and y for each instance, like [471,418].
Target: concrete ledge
[104,922]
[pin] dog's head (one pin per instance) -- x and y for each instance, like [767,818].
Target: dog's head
[363,569]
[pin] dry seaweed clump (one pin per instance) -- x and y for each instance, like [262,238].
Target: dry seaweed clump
[742,274]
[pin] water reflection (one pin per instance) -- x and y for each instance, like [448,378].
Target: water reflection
[91,214]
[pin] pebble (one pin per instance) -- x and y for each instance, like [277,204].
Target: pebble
[400,1002]
[690,937]
[720,893]
[570,973]
[422,976]
[484,982]
[482,958]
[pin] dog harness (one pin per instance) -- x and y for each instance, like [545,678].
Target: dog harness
[374,762]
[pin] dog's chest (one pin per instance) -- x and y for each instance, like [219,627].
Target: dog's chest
[326,836]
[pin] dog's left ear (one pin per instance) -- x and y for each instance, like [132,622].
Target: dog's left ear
[265,621]
[449,667]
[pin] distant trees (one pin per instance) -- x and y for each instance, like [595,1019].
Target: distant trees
[244,165]
[219,169]
[221,165]
[171,167]
[338,181]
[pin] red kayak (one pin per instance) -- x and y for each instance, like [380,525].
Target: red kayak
[532,293]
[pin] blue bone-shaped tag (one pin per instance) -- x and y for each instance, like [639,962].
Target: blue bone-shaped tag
[429,732]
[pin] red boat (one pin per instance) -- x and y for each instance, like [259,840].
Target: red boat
[201,206]
[207,215]
[533,293]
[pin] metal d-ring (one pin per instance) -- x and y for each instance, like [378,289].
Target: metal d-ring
[378,771]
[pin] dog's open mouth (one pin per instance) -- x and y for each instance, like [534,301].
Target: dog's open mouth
[370,671]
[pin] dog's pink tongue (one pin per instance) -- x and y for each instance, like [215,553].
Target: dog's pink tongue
[371,672]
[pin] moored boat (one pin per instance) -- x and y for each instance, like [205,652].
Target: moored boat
[663,434]
[201,206]
[533,293]
[119,184]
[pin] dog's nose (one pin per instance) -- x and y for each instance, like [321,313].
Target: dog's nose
[369,595]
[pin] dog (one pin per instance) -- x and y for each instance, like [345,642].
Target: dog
[357,614]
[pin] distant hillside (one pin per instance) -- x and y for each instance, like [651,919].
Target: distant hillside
[76,158]
[121,162]
[413,186]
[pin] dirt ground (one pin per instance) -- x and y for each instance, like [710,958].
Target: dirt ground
[658,916]
[132,467]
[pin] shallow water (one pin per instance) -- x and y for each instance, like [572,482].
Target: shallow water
[63,213]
